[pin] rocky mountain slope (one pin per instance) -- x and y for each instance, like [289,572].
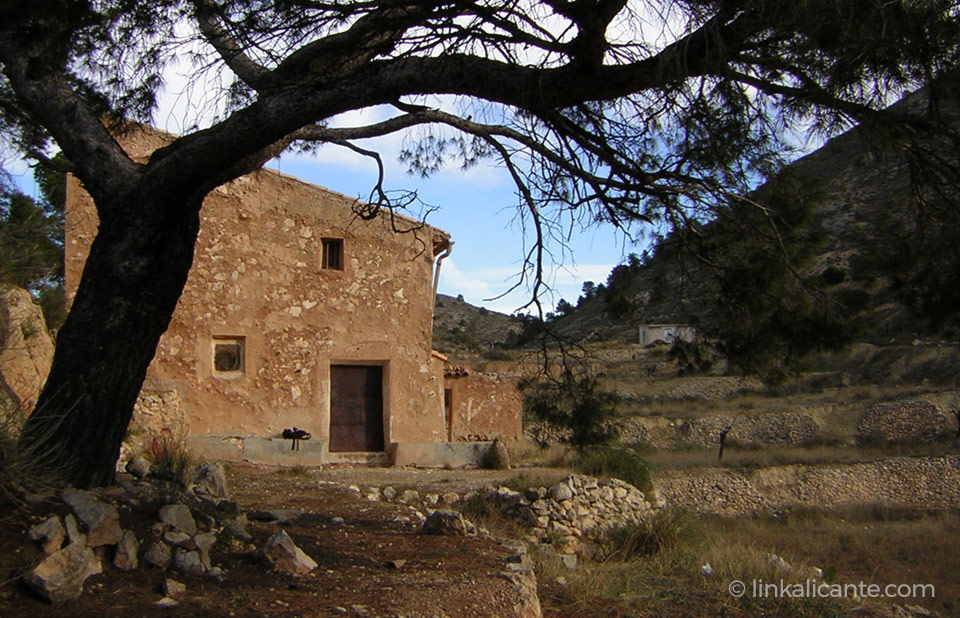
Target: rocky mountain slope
[865,207]
[459,327]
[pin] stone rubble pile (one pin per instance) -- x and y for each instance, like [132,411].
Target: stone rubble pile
[91,538]
[577,508]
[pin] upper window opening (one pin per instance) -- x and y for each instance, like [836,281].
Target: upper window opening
[228,355]
[332,253]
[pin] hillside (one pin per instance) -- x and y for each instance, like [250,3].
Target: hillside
[870,249]
[463,329]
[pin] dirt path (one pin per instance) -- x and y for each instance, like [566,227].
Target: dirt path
[430,480]
[372,559]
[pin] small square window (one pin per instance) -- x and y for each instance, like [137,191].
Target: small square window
[332,258]
[228,355]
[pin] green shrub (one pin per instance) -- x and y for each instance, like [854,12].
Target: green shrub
[577,404]
[616,462]
[498,354]
[833,275]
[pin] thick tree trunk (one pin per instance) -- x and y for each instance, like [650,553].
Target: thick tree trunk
[133,278]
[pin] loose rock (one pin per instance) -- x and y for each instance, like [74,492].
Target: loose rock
[285,556]
[73,531]
[158,555]
[188,562]
[174,589]
[178,516]
[60,577]
[102,520]
[138,466]
[446,522]
[125,557]
[49,534]
[208,481]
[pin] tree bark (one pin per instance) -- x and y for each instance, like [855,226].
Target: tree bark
[133,278]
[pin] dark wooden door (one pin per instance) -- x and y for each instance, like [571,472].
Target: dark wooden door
[356,408]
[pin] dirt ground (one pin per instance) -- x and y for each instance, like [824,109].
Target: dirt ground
[375,563]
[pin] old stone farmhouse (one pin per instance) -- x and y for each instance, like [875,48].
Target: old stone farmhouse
[298,313]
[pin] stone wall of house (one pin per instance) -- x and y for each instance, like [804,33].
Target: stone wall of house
[157,414]
[485,406]
[257,278]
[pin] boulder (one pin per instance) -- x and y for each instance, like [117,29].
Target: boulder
[208,480]
[49,534]
[101,519]
[59,578]
[447,522]
[158,555]
[285,556]
[27,348]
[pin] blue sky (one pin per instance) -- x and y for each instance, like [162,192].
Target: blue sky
[478,209]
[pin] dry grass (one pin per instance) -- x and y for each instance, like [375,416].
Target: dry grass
[170,458]
[855,545]
[23,468]
[486,513]
[297,470]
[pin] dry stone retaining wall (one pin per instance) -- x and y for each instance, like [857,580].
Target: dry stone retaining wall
[922,482]
[902,421]
[576,509]
[774,429]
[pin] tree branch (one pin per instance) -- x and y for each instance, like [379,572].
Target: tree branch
[252,73]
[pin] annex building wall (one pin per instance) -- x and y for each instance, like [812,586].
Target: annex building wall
[296,313]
